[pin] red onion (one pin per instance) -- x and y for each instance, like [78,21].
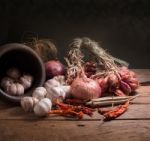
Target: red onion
[85,89]
[54,68]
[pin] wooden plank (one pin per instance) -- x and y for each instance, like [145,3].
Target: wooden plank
[135,111]
[116,130]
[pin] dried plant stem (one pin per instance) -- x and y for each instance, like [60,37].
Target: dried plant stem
[105,62]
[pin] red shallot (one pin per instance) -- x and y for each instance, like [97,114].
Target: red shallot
[54,68]
[85,88]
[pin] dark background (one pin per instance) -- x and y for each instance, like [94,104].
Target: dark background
[122,26]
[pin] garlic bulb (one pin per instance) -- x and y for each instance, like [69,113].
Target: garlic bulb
[26,80]
[15,89]
[6,81]
[28,103]
[60,79]
[55,93]
[43,107]
[39,93]
[66,89]
[51,83]
[13,73]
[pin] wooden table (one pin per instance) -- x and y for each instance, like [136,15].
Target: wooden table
[134,125]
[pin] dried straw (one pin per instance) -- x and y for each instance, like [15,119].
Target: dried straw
[105,62]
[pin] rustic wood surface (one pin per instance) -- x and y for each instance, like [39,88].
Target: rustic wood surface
[134,125]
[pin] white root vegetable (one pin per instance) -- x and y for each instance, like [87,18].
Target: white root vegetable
[15,89]
[51,83]
[39,93]
[26,80]
[28,103]
[43,107]
[55,93]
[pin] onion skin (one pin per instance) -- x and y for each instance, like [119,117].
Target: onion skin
[54,68]
[85,89]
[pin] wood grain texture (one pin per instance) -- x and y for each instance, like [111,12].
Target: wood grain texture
[133,125]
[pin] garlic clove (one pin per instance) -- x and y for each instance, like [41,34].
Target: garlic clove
[51,83]
[6,81]
[60,79]
[28,103]
[43,107]
[13,73]
[15,89]
[39,93]
[26,80]
[55,93]
[66,89]
[20,89]
[11,89]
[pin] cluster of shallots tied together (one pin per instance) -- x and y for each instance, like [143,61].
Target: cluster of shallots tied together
[15,83]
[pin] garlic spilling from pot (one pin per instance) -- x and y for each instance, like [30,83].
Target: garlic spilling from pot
[39,93]
[28,103]
[15,89]
[6,81]
[26,80]
[43,107]
[13,73]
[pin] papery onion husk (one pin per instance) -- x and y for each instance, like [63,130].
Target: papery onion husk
[85,89]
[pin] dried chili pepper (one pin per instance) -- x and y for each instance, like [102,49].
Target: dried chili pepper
[67,113]
[66,109]
[112,114]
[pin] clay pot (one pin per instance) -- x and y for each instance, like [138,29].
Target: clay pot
[25,59]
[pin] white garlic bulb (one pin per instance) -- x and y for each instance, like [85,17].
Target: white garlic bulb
[15,89]
[55,93]
[66,89]
[28,103]
[26,80]
[13,73]
[60,79]
[51,83]
[6,81]
[39,93]
[43,107]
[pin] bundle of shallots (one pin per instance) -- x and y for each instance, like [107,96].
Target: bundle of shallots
[112,74]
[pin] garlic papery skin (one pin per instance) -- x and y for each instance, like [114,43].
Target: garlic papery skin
[43,107]
[26,80]
[6,81]
[66,89]
[55,93]
[15,89]
[51,83]
[60,79]
[39,93]
[28,103]
[13,73]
